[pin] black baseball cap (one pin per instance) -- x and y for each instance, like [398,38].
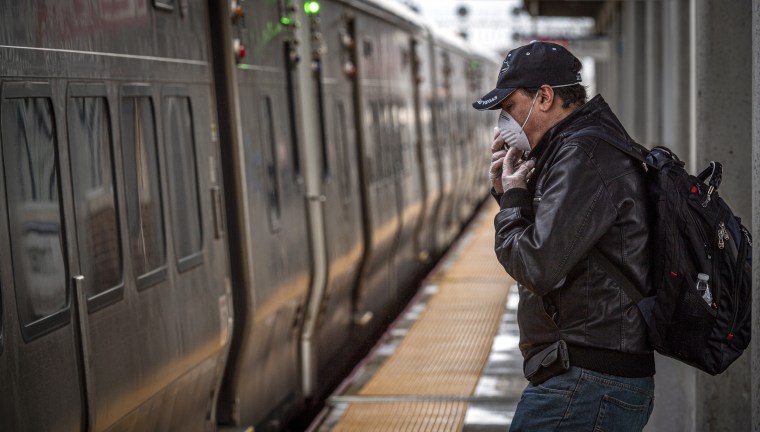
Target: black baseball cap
[531,66]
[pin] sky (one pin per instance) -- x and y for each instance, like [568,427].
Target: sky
[494,24]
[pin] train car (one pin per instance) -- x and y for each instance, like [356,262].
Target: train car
[450,55]
[390,175]
[482,68]
[238,198]
[270,257]
[113,268]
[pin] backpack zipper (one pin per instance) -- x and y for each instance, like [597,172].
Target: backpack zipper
[701,233]
[746,235]
[740,261]
[722,235]
[709,196]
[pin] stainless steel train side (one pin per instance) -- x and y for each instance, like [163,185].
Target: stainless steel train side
[270,255]
[157,183]
[329,327]
[363,88]
[113,270]
[384,95]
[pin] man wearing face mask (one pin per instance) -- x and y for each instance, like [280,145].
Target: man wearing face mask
[569,199]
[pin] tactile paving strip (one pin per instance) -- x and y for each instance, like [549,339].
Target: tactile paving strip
[445,350]
[441,416]
[443,353]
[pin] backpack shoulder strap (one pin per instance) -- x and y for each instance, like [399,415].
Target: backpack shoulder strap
[631,148]
[617,275]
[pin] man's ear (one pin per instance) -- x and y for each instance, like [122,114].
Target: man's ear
[545,97]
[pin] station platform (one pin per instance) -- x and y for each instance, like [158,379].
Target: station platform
[451,361]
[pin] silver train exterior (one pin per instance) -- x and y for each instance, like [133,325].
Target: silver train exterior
[238,198]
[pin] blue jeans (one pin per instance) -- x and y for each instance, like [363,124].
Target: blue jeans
[583,400]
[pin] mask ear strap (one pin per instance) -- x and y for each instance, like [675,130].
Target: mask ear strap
[532,104]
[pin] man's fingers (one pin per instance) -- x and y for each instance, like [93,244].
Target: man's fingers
[498,141]
[525,168]
[498,155]
[513,155]
[497,144]
[495,169]
[512,160]
[530,174]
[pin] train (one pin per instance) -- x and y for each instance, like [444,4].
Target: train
[239,197]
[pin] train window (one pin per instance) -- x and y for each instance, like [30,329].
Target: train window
[376,153]
[272,167]
[387,140]
[142,188]
[94,188]
[183,180]
[399,138]
[30,162]
[343,150]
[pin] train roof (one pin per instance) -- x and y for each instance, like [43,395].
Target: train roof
[448,37]
[486,53]
[396,9]
[439,34]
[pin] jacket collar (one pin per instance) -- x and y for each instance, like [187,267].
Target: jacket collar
[574,121]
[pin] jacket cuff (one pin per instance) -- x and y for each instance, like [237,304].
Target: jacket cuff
[515,197]
[497,196]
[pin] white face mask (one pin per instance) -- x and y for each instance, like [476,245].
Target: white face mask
[513,133]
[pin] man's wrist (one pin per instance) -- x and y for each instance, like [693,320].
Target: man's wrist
[515,197]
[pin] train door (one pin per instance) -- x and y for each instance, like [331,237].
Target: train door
[374,295]
[271,260]
[464,140]
[407,174]
[39,351]
[328,328]
[425,148]
[446,129]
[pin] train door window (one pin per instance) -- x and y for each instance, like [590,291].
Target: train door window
[343,151]
[399,139]
[376,163]
[183,179]
[37,240]
[147,243]
[391,144]
[94,189]
[272,167]
[385,153]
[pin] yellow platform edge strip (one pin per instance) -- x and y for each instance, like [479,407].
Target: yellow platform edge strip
[445,350]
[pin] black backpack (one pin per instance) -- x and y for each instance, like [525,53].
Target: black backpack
[692,231]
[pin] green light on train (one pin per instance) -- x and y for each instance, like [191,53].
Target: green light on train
[285,21]
[311,7]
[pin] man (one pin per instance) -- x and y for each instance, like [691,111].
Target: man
[577,201]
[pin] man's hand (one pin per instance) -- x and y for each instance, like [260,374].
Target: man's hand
[497,159]
[515,171]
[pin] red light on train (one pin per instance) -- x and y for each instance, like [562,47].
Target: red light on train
[238,49]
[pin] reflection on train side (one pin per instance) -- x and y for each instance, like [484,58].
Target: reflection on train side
[34,209]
